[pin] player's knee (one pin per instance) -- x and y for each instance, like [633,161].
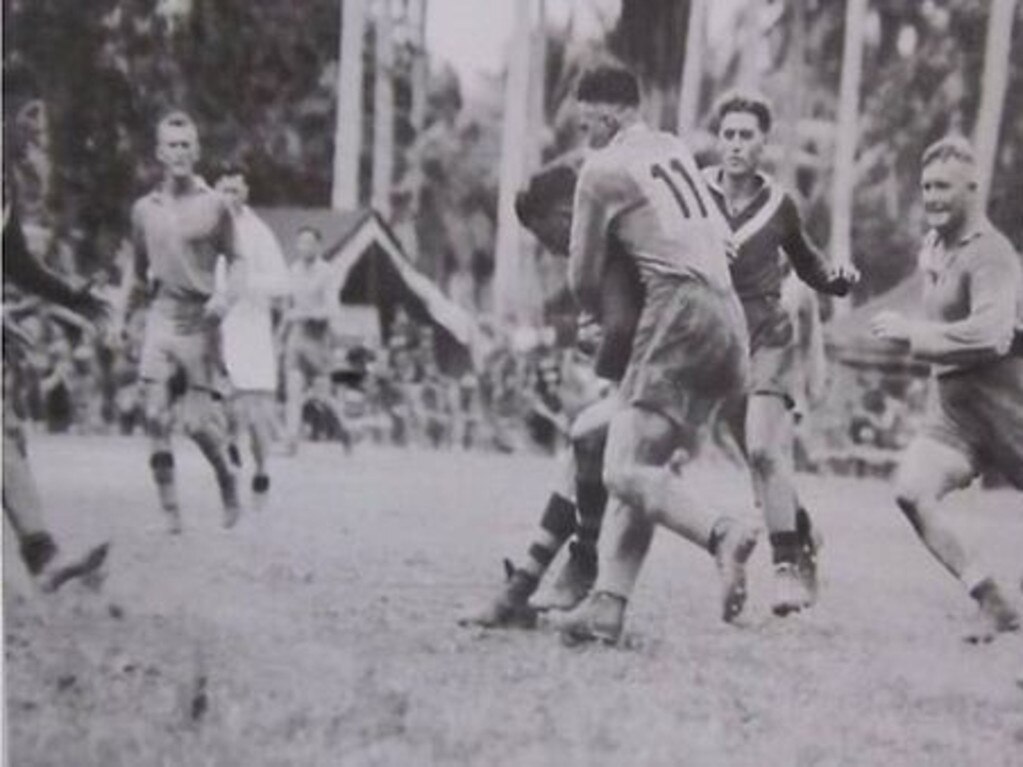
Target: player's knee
[763,460]
[162,464]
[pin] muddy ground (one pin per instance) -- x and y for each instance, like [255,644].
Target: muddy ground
[322,631]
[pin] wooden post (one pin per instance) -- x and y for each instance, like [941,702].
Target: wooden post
[844,180]
[348,127]
[994,83]
[692,68]
[383,111]
[514,148]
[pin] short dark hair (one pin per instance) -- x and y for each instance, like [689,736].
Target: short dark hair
[948,148]
[547,187]
[312,230]
[229,168]
[608,84]
[744,101]
[176,118]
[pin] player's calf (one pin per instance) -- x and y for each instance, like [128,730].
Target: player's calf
[732,543]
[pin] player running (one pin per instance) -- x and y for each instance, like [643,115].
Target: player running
[973,337]
[307,344]
[576,508]
[43,559]
[642,188]
[247,332]
[765,222]
[178,231]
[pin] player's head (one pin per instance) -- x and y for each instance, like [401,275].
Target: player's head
[608,98]
[230,181]
[309,243]
[177,144]
[545,207]
[742,121]
[948,183]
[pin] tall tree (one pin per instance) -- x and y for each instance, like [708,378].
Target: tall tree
[348,119]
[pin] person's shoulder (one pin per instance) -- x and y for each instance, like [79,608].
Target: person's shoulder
[991,244]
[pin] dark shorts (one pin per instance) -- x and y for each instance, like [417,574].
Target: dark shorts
[979,414]
[772,337]
[690,353]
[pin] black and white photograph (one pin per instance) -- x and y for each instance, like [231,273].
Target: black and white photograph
[512,383]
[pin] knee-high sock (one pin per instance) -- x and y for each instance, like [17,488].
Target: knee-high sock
[556,527]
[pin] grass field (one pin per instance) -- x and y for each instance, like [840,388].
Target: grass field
[322,631]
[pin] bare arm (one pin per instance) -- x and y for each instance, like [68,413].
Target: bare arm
[588,245]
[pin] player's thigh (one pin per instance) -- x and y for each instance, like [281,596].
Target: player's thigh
[638,437]
[769,425]
[930,469]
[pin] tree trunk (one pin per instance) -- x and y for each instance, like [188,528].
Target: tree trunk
[992,96]
[348,128]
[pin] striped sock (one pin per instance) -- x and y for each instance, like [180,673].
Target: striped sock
[556,527]
[591,497]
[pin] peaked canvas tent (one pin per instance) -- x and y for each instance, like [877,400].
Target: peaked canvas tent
[369,268]
[850,341]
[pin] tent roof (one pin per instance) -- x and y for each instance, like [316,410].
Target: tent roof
[347,238]
[336,226]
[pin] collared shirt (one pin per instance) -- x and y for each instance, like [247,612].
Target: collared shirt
[177,239]
[768,226]
[973,299]
[645,190]
[309,290]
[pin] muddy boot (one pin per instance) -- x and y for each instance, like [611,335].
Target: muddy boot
[60,572]
[996,614]
[599,619]
[732,546]
[37,551]
[575,580]
[510,606]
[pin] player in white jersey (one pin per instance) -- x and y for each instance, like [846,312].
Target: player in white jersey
[307,332]
[247,333]
[641,189]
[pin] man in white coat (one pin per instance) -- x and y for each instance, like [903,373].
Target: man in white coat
[247,332]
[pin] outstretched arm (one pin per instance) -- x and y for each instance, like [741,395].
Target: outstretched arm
[810,265]
[22,269]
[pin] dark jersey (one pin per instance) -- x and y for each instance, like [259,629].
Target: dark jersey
[766,228]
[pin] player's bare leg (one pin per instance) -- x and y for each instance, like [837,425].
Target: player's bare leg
[640,444]
[769,439]
[161,457]
[295,391]
[23,509]
[929,471]
[255,410]
[205,423]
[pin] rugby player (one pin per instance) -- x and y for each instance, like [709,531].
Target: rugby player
[973,337]
[49,567]
[178,231]
[576,508]
[247,331]
[307,344]
[765,223]
[642,189]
